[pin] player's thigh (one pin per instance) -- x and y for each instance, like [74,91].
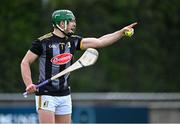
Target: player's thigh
[64,119]
[46,116]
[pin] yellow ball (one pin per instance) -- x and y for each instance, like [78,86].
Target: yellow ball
[129,33]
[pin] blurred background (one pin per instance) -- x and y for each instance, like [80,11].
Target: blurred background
[134,72]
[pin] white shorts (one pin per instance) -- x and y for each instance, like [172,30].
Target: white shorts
[60,105]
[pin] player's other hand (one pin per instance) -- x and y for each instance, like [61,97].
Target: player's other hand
[31,88]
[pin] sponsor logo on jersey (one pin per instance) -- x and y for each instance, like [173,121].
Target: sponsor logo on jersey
[61,59]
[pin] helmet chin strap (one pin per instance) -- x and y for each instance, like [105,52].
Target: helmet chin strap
[62,30]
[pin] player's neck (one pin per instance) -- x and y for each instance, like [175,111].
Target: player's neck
[58,33]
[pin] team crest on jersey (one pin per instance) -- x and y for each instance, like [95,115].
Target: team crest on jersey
[61,59]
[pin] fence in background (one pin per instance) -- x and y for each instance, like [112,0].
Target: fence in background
[100,108]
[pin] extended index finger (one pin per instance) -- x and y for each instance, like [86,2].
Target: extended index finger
[132,25]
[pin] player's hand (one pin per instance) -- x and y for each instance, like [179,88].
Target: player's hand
[31,88]
[129,28]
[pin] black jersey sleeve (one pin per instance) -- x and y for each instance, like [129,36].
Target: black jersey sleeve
[79,44]
[36,47]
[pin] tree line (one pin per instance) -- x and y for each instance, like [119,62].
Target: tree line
[147,62]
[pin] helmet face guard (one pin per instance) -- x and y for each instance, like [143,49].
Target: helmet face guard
[62,15]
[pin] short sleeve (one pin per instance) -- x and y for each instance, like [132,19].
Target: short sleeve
[36,47]
[79,43]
